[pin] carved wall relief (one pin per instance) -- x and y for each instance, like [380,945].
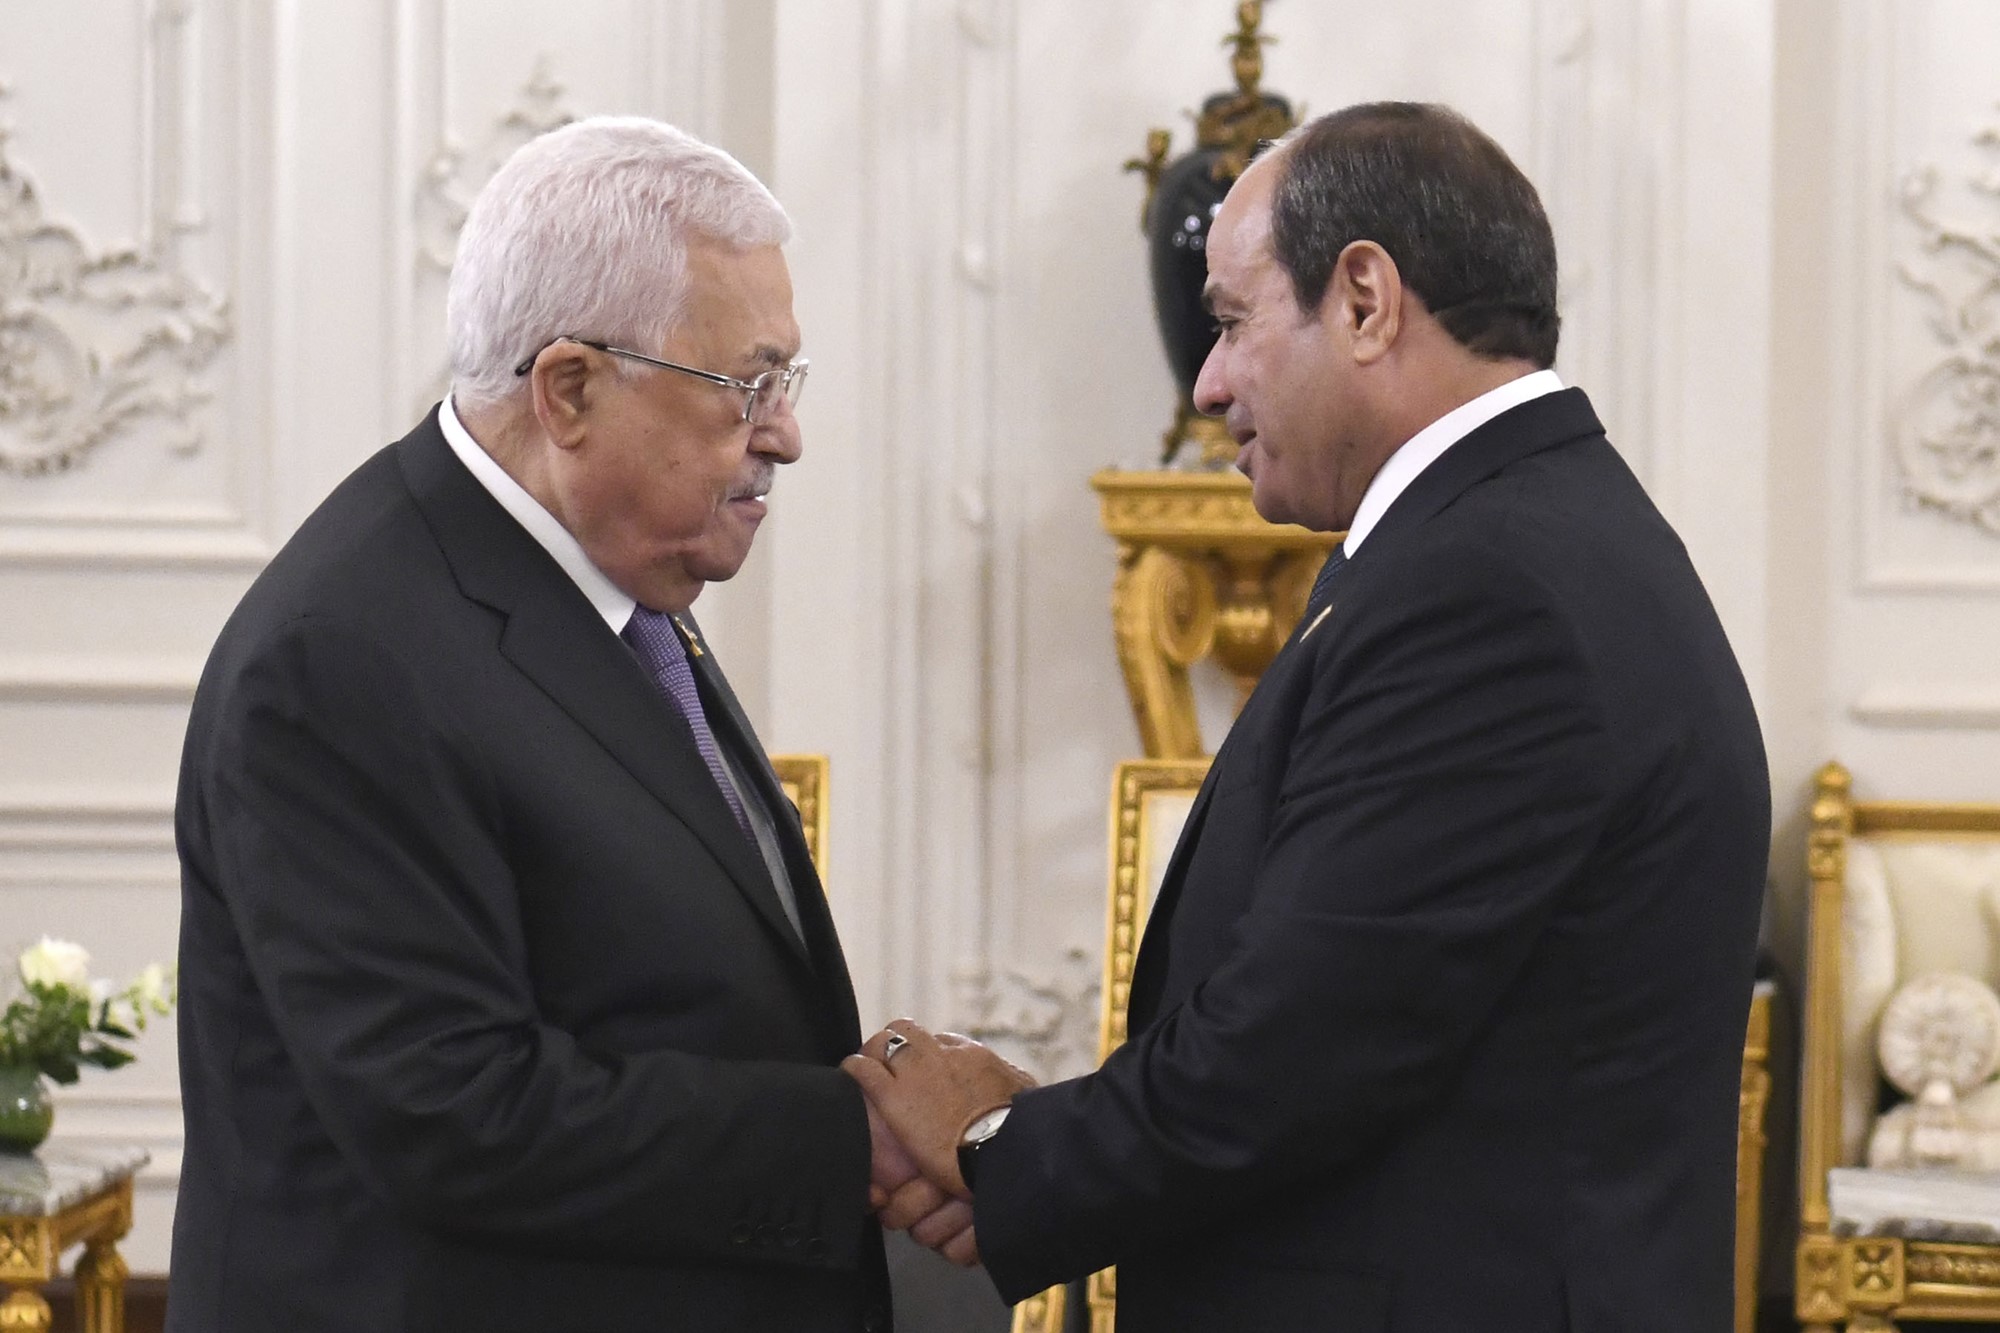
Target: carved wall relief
[1045,1021]
[451,180]
[453,177]
[1947,436]
[92,344]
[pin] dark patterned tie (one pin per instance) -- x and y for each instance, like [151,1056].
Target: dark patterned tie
[1336,560]
[660,647]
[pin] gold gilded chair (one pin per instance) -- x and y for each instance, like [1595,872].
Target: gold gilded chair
[1150,801]
[1898,889]
[803,777]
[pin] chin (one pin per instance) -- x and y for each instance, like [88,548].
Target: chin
[718,566]
[1271,503]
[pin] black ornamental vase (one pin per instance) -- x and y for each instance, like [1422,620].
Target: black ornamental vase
[1189,191]
[1182,198]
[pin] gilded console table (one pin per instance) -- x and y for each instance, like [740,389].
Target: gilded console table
[1199,575]
[50,1199]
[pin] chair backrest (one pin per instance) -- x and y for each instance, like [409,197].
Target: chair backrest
[804,780]
[1150,801]
[1898,889]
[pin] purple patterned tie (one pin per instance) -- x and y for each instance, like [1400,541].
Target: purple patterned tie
[664,654]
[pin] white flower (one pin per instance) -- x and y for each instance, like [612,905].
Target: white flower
[121,1012]
[58,964]
[154,989]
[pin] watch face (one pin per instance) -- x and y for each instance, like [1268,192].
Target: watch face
[984,1127]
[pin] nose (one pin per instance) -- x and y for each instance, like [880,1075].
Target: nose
[1210,397]
[779,439]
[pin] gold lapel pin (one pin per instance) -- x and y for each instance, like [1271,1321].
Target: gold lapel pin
[1324,611]
[694,644]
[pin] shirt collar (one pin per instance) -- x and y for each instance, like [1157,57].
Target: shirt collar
[544,527]
[1429,444]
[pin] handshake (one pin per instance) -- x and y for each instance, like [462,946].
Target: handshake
[924,1090]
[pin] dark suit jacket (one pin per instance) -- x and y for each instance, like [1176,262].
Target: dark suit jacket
[1438,1022]
[490,1017]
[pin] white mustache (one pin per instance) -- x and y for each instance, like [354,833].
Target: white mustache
[759,484]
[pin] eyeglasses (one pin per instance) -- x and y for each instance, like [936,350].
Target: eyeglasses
[762,394]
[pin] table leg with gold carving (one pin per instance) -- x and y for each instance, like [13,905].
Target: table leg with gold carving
[1198,573]
[1816,1279]
[24,1311]
[27,1261]
[1103,1288]
[71,1195]
[1873,1282]
[1163,616]
[1042,1313]
[1263,594]
[100,1288]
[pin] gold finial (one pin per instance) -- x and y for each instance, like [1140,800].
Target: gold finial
[1149,166]
[1248,61]
[1832,822]
[1237,123]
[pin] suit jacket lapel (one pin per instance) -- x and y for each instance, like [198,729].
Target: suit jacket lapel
[556,638]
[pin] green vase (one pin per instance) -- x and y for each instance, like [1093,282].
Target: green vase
[25,1109]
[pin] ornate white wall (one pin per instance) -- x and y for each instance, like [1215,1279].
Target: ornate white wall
[224,228]
[1774,217]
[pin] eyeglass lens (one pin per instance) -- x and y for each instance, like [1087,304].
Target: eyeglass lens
[773,385]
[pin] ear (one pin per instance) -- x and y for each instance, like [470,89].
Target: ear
[1364,298]
[562,387]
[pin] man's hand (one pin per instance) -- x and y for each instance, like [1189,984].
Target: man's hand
[929,1090]
[904,1201]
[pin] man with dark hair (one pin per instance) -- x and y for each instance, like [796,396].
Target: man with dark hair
[1474,245]
[1437,1021]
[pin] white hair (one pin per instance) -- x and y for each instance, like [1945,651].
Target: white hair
[585,231]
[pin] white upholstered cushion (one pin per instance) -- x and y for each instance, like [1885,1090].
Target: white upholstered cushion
[1913,905]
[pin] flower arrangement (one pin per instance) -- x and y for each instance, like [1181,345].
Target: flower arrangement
[63,1020]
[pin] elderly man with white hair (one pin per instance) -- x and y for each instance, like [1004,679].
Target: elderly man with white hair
[509,997]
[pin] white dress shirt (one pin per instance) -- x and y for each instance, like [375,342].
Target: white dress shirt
[544,527]
[1429,444]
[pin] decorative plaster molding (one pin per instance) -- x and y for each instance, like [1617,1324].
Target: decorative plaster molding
[453,177]
[1605,128]
[1927,710]
[77,679]
[939,106]
[83,824]
[1044,1020]
[101,545]
[449,181]
[1947,435]
[92,344]
[96,1112]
